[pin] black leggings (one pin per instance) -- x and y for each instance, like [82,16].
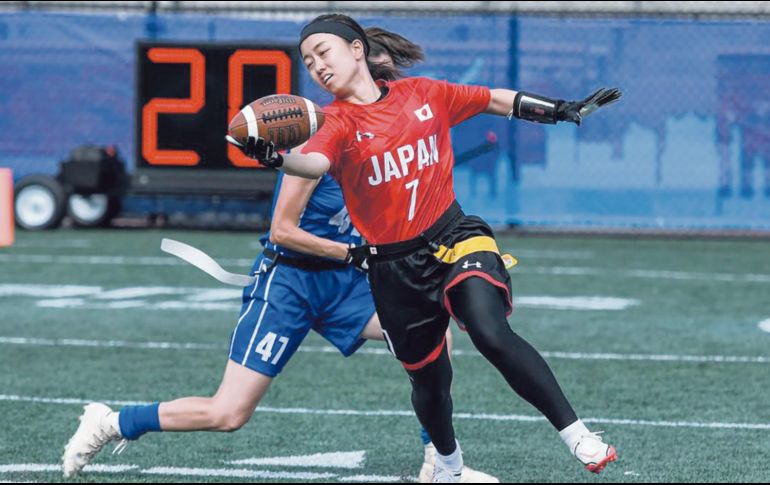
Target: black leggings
[481,308]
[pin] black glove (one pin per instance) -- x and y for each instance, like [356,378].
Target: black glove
[357,259]
[256,148]
[575,111]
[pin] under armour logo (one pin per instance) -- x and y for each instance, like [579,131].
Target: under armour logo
[467,265]
[424,113]
[360,136]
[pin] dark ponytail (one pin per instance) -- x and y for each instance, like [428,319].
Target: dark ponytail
[401,50]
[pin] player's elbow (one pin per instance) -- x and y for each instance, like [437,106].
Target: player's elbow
[280,234]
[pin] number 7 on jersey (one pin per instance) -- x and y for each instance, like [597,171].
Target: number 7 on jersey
[413,200]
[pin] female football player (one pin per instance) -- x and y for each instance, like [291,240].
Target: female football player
[427,260]
[303,283]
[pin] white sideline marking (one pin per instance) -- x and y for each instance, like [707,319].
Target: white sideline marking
[647,274]
[62,243]
[352,459]
[764,325]
[99,292]
[36,468]
[225,472]
[722,359]
[717,359]
[62,303]
[61,400]
[204,294]
[138,291]
[80,304]
[376,478]
[410,414]
[524,254]
[199,472]
[229,300]
[538,302]
[521,268]
[48,291]
[107,344]
[575,302]
[113,260]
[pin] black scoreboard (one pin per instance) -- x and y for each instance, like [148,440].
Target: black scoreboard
[186,95]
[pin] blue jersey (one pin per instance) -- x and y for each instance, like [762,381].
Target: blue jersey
[284,303]
[325,216]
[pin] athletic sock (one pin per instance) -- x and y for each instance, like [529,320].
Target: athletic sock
[138,420]
[453,461]
[425,437]
[572,433]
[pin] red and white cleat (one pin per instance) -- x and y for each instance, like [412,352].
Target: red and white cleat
[594,453]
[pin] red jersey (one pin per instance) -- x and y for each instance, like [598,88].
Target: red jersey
[393,158]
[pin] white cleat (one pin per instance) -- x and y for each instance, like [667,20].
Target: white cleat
[445,475]
[98,426]
[594,453]
[468,475]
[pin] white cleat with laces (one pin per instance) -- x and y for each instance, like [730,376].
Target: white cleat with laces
[594,453]
[98,426]
[468,475]
[443,474]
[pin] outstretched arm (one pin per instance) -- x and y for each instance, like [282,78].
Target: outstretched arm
[533,107]
[284,229]
[308,165]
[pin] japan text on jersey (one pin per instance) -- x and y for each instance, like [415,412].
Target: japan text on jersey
[397,179]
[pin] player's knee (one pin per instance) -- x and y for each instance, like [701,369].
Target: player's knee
[229,420]
[490,335]
[430,397]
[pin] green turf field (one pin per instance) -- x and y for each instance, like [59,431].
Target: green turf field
[659,343]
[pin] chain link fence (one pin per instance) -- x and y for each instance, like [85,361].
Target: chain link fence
[686,148]
[700,9]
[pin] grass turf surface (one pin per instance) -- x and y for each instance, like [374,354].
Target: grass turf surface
[671,419]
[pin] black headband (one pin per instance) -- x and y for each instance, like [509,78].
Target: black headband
[337,28]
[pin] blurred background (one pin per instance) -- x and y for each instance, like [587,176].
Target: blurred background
[687,148]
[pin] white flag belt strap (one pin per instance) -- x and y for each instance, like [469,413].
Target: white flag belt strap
[204,262]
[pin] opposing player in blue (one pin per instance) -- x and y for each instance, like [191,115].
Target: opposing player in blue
[302,283]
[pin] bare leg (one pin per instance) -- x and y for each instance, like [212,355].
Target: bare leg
[228,410]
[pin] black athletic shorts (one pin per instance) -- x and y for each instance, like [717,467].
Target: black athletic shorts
[410,281]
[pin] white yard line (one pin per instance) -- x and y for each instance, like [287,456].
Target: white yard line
[50,244]
[521,268]
[200,472]
[236,473]
[47,291]
[340,459]
[220,299]
[371,350]
[646,274]
[575,302]
[410,414]
[37,468]
[111,260]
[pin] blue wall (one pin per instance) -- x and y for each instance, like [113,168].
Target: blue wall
[688,146]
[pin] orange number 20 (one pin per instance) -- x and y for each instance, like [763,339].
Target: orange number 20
[197,99]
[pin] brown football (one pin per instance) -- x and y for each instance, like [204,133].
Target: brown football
[284,119]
